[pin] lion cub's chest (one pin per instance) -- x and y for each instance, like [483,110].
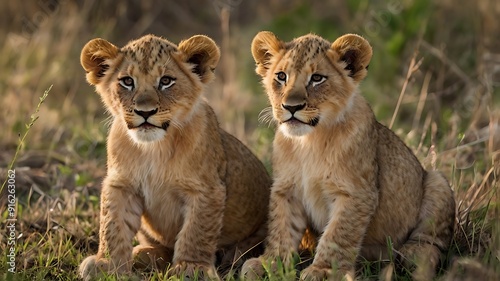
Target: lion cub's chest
[314,186]
[316,205]
[163,207]
[163,214]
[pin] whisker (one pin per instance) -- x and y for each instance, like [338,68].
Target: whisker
[108,121]
[177,126]
[266,116]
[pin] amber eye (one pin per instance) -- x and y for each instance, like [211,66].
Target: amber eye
[317,79]
[166,82]
[281,77]
[127,82]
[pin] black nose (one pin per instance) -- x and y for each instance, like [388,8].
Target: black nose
[146,114]
[293,108]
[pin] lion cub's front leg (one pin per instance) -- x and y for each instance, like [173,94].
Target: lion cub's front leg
[287,224]
[340,243]
[120,220]
[196,245]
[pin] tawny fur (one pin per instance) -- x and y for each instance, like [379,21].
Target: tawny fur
[340,172]
[190,189]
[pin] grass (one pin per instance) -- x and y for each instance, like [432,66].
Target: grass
[448,112]
[22,138]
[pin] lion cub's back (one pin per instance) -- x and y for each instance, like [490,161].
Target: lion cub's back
[248,185]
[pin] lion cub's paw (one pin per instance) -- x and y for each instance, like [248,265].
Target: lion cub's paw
[91,268]
[194,271]
[252,270]
[316,273]
[258,268]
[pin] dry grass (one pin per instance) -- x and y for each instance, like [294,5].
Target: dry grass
[449,113]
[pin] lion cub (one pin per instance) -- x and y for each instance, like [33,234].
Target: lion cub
[190,189]
[340,172]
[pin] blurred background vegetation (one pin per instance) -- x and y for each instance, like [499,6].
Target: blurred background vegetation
[449,111]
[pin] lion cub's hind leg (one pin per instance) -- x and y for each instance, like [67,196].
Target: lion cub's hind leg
[231,259]
[422,251]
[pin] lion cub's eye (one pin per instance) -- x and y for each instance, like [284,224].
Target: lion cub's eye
[317,79]
[166,82]
[127,82]
[281,77]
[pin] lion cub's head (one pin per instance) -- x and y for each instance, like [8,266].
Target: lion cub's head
[310,81]
[151,84]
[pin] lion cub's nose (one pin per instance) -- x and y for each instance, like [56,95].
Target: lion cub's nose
[293,108]
[146,114]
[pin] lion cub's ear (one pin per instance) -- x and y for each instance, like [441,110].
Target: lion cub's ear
[356,52]
[201,51]
[265,45]
[93,58]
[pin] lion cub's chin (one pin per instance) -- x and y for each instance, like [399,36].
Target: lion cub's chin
[142,135]
[295,129]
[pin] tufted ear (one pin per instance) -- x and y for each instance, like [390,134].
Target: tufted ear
[356,52]
[265,45]
[93,58]
[203,53]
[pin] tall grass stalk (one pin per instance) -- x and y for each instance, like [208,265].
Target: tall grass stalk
[414,65]
[22,138]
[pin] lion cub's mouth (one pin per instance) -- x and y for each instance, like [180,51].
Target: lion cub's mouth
[148,126]
[295,121]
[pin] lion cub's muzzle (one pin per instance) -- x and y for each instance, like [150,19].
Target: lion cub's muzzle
[147,121]
[145,113]
[293,114]
[145,124]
